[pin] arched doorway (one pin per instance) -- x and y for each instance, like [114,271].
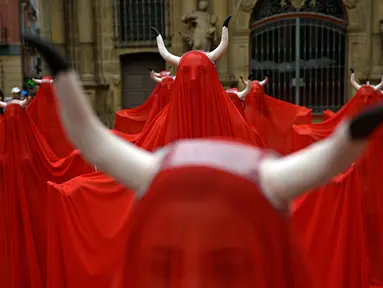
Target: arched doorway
[137,84]
[302,47]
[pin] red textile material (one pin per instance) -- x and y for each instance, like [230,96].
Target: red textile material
[88,232]
[238,103]
[369,169]
[304,135]
[89,228]
[43,111]
[198,108]
[274,118]
[26,164]
[133,121]
[329,223]
[327,114]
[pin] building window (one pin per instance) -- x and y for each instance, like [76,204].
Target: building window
[304,56]
[135,17]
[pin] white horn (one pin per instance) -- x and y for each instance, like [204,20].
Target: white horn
[242,95]
[353,81]
[155,78]
[264,82]
[222,47]
[379,86]
[168,57]
[37,81]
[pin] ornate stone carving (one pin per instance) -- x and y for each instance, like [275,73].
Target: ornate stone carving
[350,4]
[247,5]
[298,3]
[201,32]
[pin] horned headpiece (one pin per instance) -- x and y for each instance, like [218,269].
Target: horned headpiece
[213,55]
[358,86]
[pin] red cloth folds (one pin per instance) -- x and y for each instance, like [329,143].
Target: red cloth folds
[369,171]
[133,121]
[274,118]
[88,232]
[199,107]
[43,111]
[330,226]
[26,164]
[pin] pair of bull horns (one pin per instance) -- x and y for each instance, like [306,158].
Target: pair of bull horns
[252,78]
[242,94]
[39,81]
[358,86]
[213,55]
[156,76]
[159,74]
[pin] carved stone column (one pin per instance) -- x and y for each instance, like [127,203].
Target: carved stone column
[86,41]
[220,8]
[57,24]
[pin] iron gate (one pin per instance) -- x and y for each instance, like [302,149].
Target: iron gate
[305,59]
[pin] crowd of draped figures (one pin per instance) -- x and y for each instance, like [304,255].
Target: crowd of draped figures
[64,224]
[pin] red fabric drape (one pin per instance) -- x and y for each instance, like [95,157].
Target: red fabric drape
[132,121]
[236,100]
[43,111]
[198,107]
[274,118]
[330,226]
[87,232]
[26,164]
[369,170]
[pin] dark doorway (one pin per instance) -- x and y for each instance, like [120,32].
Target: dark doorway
[137,84]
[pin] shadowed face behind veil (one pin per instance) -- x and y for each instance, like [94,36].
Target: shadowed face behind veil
[204,233]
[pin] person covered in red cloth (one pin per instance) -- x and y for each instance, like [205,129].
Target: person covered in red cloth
[163,73]
[209,213]
[239,96]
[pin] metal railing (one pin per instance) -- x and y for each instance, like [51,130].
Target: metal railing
[132,20]
[305,59]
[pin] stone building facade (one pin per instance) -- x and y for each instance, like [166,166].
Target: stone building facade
[114,68]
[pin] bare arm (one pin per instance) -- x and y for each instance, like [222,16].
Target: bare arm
[3,104]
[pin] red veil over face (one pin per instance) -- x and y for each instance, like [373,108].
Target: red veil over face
[274,119]
[200,226]
[198,108]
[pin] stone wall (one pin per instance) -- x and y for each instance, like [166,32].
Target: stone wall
[97,58]
[10,73]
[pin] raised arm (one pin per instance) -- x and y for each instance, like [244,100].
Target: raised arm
[283,179]
[129,164]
